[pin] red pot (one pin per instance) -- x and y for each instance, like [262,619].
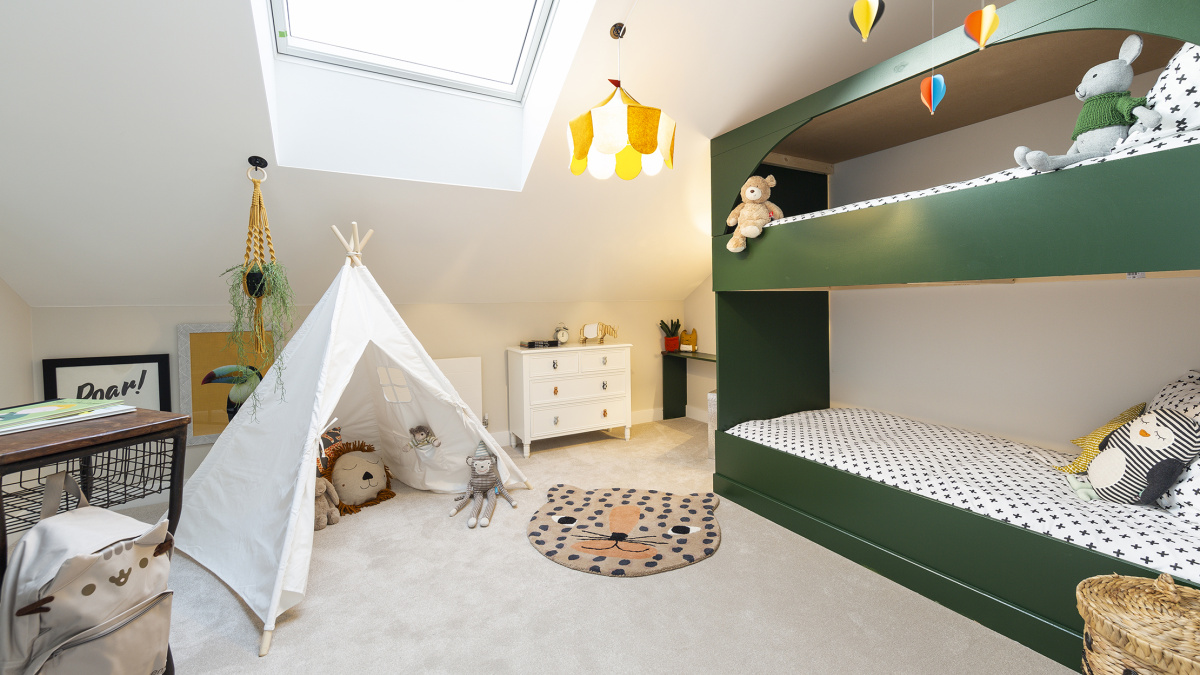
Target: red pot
[672,343]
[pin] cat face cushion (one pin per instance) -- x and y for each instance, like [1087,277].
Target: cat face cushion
[1144,457]
[625,532]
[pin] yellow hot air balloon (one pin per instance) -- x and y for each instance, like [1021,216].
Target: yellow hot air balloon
[864,15]
[981,24]
[621,136]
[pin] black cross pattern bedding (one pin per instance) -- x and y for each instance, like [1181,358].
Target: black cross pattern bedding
[990,476]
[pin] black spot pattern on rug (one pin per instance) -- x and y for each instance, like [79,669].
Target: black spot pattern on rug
[632,532]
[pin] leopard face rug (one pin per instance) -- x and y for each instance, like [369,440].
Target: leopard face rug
[625,532]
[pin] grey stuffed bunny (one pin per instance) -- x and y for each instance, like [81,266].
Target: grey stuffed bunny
[1108,113]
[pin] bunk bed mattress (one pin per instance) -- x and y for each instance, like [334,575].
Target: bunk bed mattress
[990,476]
[1177,140]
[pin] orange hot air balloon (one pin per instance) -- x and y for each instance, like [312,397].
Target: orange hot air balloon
[981,24]
[932,91]
[864,15]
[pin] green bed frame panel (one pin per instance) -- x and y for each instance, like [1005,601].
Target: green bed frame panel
[1015,581]
[774,349]
[1138,214]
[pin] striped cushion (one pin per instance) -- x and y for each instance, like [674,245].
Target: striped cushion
[1091,443]
[330,441]
[1144,457]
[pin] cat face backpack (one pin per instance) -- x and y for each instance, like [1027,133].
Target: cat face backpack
[86,592]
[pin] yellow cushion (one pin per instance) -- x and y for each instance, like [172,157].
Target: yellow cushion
[1091,442]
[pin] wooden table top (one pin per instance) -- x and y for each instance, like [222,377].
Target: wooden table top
[24,445]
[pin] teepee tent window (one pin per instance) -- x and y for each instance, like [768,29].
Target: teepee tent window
[395,388]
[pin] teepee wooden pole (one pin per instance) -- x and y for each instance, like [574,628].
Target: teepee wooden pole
[353,253]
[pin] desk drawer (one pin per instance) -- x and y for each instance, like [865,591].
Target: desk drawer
[602,361]
[554,364]
[574,388]
[580,417]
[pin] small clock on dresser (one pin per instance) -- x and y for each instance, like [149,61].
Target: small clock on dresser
[562,334]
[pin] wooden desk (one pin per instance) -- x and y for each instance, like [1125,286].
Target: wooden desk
[675,381]
[136,445]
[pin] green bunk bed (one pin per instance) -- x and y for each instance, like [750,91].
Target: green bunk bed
[1138,214]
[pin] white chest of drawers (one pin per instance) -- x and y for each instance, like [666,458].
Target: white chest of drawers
[567,390]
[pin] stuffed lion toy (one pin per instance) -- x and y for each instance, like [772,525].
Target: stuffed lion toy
[359,476]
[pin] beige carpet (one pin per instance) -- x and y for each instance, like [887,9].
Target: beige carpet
[402,587]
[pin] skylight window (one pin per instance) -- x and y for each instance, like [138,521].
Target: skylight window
[482,46]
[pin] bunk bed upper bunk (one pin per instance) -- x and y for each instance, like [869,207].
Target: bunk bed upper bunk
[1110,218]
[954,234]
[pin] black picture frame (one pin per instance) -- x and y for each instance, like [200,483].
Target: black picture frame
[57,372]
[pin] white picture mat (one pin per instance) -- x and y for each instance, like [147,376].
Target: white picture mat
[135,384]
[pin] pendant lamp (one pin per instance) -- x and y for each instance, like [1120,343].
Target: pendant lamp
[620,135]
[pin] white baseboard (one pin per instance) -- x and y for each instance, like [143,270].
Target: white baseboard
[648,415]
[697,413]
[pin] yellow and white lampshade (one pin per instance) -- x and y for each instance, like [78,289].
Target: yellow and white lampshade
[621,136]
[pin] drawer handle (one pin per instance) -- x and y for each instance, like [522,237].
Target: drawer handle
[604,360]
[555,364]
[606,412]
[604,384]
[556,391]
[556,419]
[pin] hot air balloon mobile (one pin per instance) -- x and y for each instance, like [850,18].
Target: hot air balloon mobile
[933,89]
[864,15]
[981,24]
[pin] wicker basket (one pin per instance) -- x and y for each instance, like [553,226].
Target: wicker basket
[1139,626]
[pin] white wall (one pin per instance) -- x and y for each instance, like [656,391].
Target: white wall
[16,349]
[446,330]
[700,313]
[1038,362]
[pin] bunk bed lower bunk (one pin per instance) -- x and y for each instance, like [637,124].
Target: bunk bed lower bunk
[978,524]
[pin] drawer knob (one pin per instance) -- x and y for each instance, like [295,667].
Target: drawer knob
[604,360]
[556,419]
[555,364]
[604,384]
[556,391]
[606,412]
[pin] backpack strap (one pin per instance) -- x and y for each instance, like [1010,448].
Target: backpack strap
[55,484]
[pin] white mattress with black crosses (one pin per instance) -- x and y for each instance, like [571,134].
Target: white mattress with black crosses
[990,476]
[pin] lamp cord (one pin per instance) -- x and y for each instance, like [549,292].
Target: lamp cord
[624,21]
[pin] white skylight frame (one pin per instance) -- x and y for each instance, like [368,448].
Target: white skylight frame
[535,37]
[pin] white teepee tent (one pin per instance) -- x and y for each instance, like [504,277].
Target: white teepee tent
[248,510]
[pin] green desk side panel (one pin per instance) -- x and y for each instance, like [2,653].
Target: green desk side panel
[1138,214]
[736,153]
[1015,581]
[774,349]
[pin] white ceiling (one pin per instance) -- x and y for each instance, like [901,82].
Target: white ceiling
[124,129]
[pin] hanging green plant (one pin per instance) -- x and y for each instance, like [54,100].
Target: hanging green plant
[260,295]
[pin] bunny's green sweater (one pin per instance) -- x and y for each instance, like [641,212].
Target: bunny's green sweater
[1107,110]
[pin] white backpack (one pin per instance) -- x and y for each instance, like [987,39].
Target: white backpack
[86,592]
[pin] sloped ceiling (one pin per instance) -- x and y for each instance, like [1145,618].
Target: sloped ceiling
[124,129]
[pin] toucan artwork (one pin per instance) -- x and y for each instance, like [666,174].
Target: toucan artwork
[243,378]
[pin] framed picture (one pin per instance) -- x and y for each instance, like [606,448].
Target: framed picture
[140,381]
[207,388]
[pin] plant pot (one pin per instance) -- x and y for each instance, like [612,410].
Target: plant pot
[254,284]
[672,343]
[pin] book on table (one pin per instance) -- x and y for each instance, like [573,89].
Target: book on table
[60,411]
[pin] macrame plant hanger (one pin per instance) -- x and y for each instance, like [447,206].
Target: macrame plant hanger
[258,247]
